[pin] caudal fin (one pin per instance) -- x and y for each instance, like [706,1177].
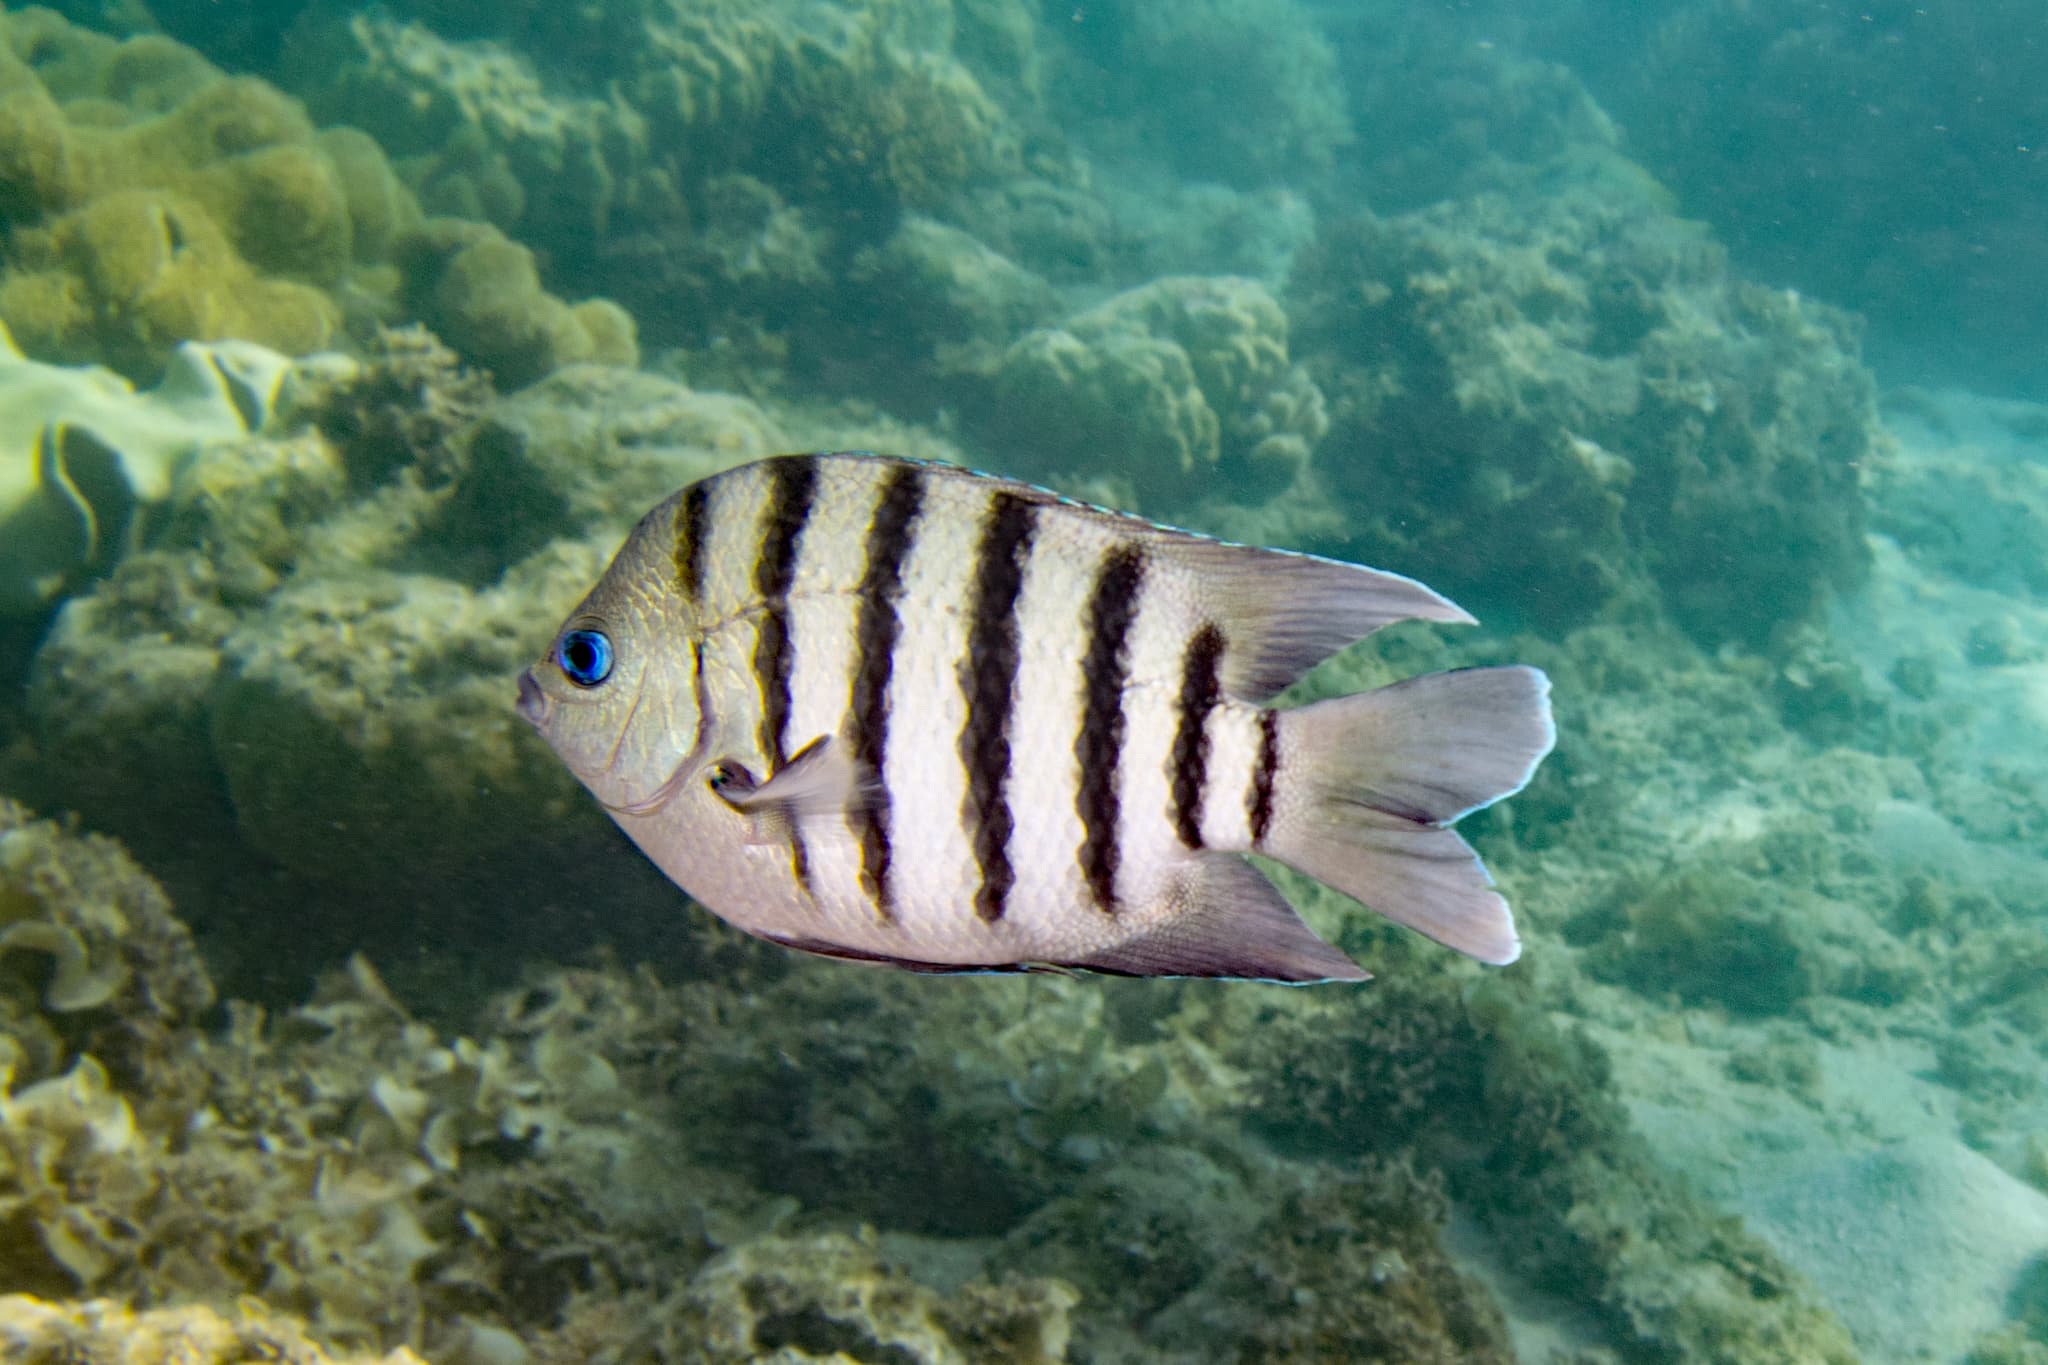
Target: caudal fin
[1369,785]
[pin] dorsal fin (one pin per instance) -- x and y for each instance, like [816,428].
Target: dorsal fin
[1283,613]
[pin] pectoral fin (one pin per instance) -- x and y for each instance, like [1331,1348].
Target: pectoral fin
[819,779]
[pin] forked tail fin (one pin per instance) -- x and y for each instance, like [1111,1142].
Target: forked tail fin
[1369,784]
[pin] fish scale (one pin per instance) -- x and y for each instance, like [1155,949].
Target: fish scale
[953,722]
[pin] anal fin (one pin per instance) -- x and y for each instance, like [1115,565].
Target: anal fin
[1231,923]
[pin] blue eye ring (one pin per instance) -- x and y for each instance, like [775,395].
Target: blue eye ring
[585,657]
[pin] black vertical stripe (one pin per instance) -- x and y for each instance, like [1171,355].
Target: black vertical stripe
[878,626]
[1259,802]
[1201,687]
[692,525]
[1112,608]
[792,482]
[988,678]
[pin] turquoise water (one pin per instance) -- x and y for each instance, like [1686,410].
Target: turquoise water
[1694,351]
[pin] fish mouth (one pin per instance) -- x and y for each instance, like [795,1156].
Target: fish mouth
[533,703]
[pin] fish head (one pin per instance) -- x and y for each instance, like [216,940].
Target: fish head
[617,695]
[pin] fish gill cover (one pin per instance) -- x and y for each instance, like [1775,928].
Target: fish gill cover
[376,1039]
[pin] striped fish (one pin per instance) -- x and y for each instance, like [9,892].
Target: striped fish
[907,714]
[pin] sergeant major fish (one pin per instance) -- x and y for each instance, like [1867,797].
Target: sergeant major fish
[908,714]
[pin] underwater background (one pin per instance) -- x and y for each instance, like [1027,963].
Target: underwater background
[1694,348]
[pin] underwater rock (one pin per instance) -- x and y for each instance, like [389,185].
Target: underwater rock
[1554,399]
[305,670]
[1142,1230]
[589,449]
[90,954]
[102,1332]
[119,691]
[1173,386]
[1525,1120]
[741,160]
[931,306]
[1450,118]
[407,402]
[481,292]
[1344,1267]
[1710,934]
[481,134]
[360,721]
[152,200]
[89,461]
[743,263]
[830,1293]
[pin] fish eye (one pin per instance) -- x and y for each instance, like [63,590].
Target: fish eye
[585,657]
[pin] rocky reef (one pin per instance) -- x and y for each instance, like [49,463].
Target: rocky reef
[150,199]
[1566,399]
[395,1048]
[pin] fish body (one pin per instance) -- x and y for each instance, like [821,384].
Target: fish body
[905,713]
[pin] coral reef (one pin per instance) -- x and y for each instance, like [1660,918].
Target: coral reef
[1557,1171]
[481,292]
[661,191]
[288,692]
[150,200]
[1450,118]
[97,1332]
[90,461]
[311,648]
[1549,402]
[91,956]
[831,1293]
[934,310]
[1346,1267]
[1244,93]
[1162,394]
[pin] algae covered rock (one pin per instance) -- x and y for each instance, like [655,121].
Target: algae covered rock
[1549,401]
[590,449]
[101,1332]
[360,721]
[834,1293]
[481,292]
[1527,1123]
[1345,1267]
[307,669]
[153,200]
[741,156]
[90,953]
[934,302]
[90,462]
[1174,386]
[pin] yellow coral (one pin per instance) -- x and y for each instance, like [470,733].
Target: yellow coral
[126,278]
[482,292]
[154,200]
[101,1332]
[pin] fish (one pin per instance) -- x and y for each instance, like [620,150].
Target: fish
[904,713]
